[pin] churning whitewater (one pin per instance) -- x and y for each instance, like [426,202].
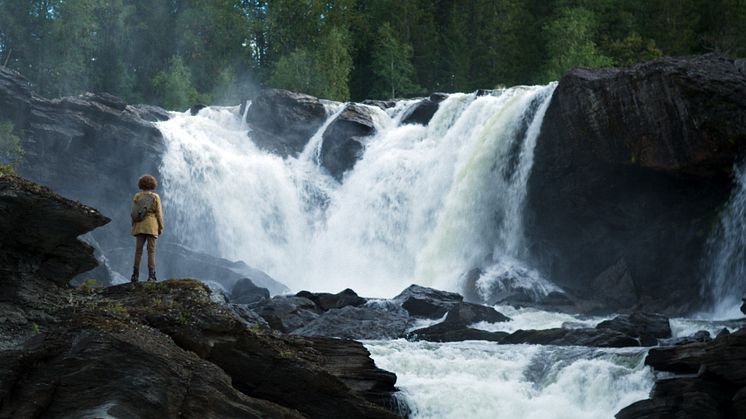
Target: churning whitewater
[424,204]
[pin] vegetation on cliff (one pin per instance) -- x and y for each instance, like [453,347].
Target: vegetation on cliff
[343,49]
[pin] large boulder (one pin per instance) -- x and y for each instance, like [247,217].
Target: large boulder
[39,253]
[343,139]
[633,165]
[287,313]
[327,301]
[422,112]
[713,384]
[131,372]
[648,327]
[245,292]
[455,327]
[282,122]
[426,302]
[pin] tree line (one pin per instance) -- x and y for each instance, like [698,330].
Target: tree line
[178,52]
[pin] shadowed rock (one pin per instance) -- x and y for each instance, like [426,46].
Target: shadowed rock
[633,165]
[427,302]
[714,388]
[423,111]
[342,142]
[282,122]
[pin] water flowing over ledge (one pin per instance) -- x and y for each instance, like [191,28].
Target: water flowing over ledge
[423,203]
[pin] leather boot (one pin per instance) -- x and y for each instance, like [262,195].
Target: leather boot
[151,275]
[135,276]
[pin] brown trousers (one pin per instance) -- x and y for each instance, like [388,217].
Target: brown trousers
[140,240]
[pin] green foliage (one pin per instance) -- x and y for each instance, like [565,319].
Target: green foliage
[342,49]
[570,42]
[174,86]
[392,66]
[297,71]
[632,49]
[11,151]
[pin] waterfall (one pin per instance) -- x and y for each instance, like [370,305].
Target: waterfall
[726,281]
[423,204]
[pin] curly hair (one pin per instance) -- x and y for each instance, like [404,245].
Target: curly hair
[147,183]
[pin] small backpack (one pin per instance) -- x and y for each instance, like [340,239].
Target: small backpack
[141,207]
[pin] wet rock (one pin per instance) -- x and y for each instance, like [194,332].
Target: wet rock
[194,110]
[455,327]
[648,327]
[605,338]
[343,139]
[427,302]
[714,387]
[422,112]
[698,337]
[383,104]
[245,292]
[714,390]
[287,312]
[282,122]
[464,314]
[743,305]
[628,159]
[439,333]
[375,320]
[326,301]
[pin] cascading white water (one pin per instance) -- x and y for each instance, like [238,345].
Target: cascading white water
[423,204]
[484,380]
[726,282]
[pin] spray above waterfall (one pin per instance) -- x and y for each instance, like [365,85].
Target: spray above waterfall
[422,204]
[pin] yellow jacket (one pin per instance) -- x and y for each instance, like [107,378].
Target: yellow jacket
[153,222]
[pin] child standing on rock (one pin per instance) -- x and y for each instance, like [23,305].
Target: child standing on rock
[147,224]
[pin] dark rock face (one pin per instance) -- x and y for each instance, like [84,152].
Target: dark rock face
[426,302]
[135,373]
[325,301]
[342,140]
[648,327]
[628,160]
[282,122]
[245,292]
[715,388]
[39,250]
[422,112]
[455,327]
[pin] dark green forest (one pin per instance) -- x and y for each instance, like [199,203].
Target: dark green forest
[177,52]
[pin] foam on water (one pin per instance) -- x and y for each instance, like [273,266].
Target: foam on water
[484,380]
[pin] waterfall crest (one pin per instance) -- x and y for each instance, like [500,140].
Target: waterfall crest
[423,204]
